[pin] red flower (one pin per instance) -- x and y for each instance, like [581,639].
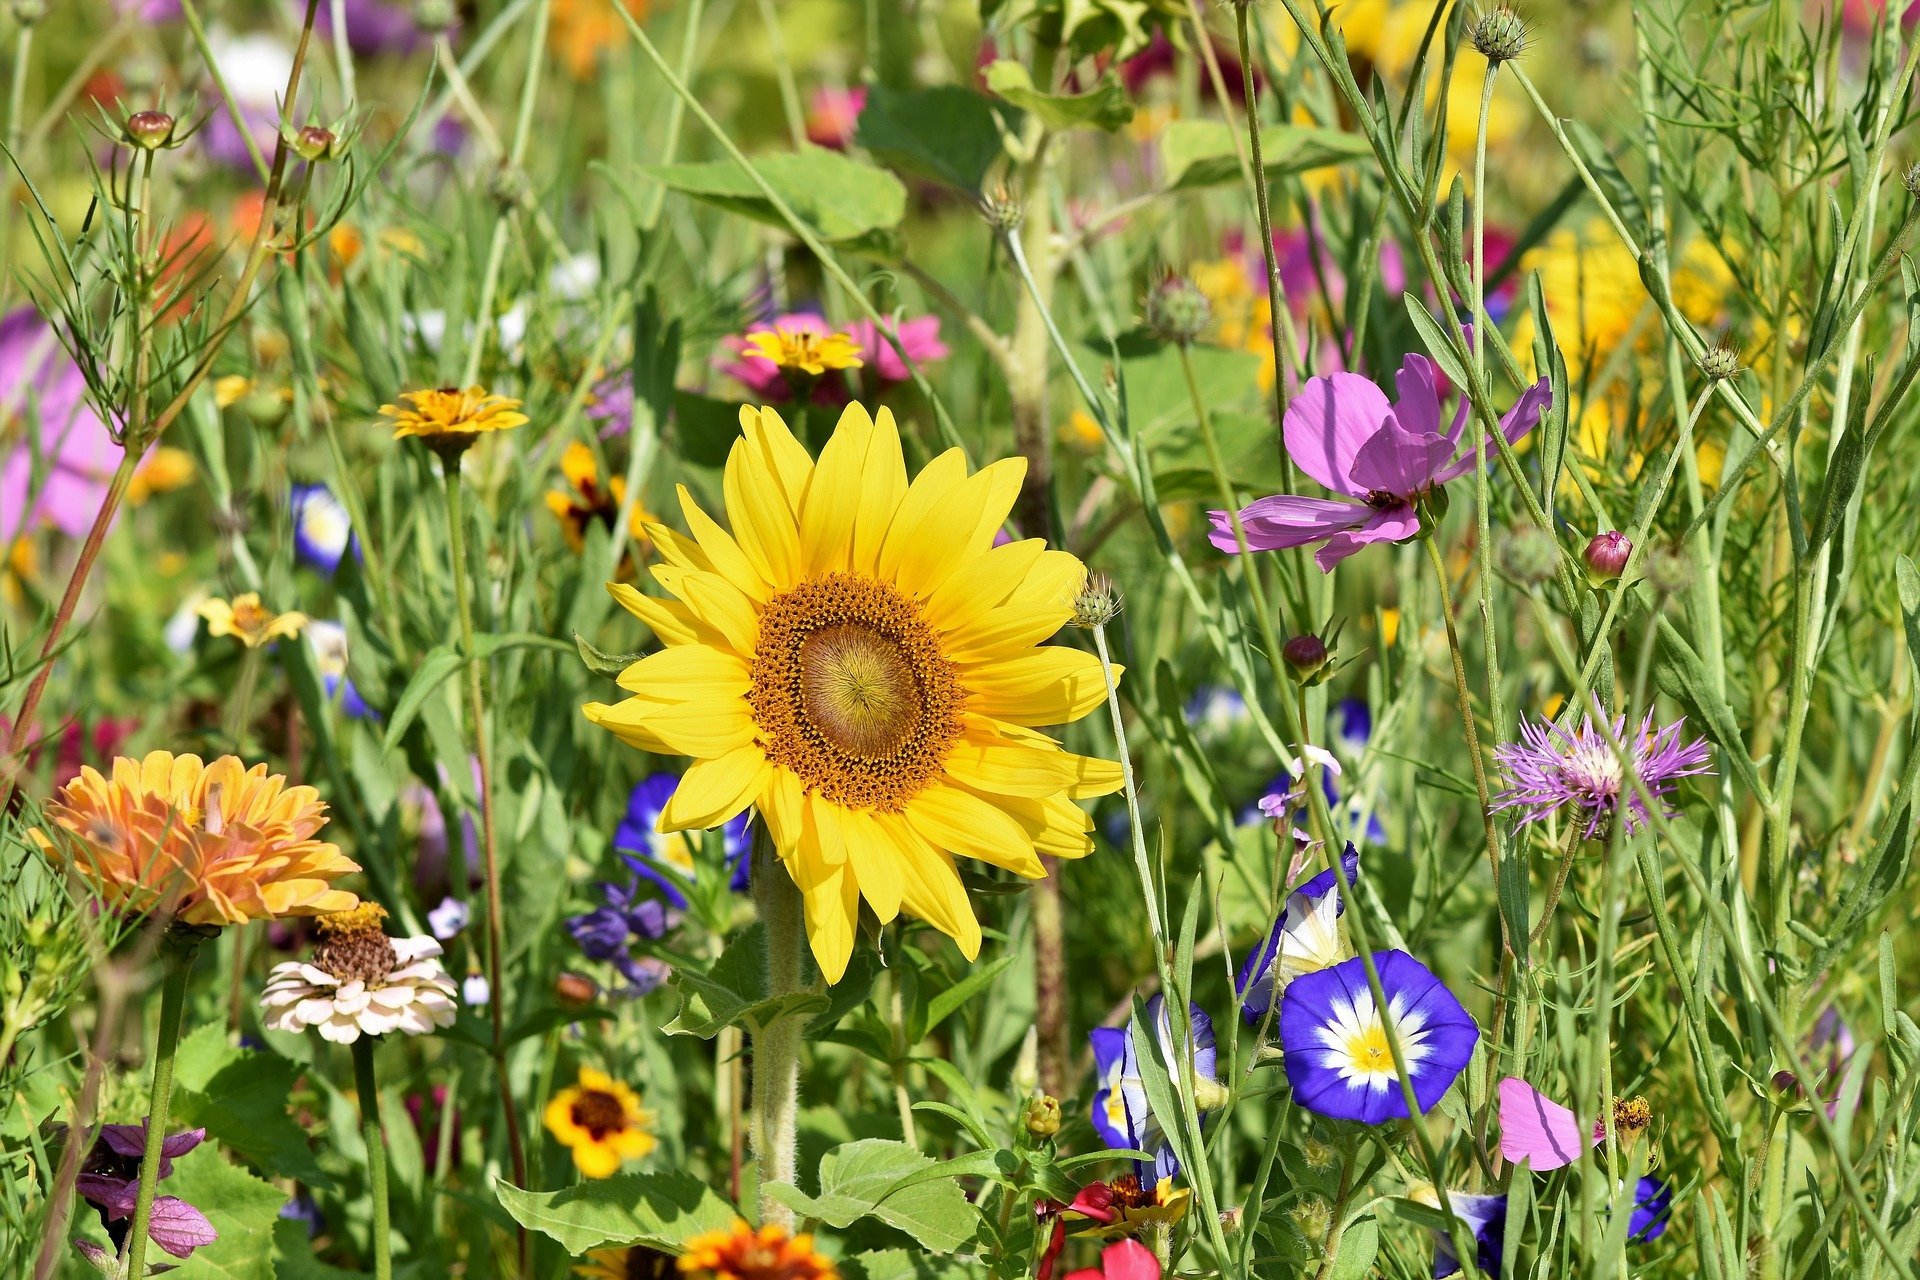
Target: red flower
[1122,1260]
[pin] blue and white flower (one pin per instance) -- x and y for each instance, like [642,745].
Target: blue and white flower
[449,918]
[1215,711]
[1485,1218]
[1334,1036]
[329,640]
[648,850]
[1304,939]
[1121,1114]
[1652,1206]
[322,533]
[1352,724]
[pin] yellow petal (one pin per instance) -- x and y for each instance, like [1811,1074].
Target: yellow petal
[686,672]
[669,620]
[1057,579]
[627,722]
[938,479]
[714,791]
[1054,685]
[783,807]
[932,888]
[783,456]
[960,822]
[1058,827]
[677,548]
[683,729]
[1011,770]
[832,898]
[723,554]
[762,517]
[874,858]
[833,495]
[1002,492]
[719,604]
[982,582]
[997,632]
[883,483]
[935,547]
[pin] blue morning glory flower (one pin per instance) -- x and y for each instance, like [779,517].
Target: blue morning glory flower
[647,849]
[1216,710]
[1121,1115]
[1305,938]
[1652,1207]
[1486,1218]
[322,532]
[1338,1059]
[330,653]
[1352,724]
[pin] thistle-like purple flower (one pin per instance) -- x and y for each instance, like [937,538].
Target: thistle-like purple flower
[1551,768]
[1380,460]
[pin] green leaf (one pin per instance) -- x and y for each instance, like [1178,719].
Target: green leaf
[948,133]
[1359,1244]
[1106,107]
[659,1210]
[602,663]
[440,662]
[240,1096]
[1201,153]
[842,200]
[873,1178]
[979,978]
[293,1255]
[734,992]
[241,1207]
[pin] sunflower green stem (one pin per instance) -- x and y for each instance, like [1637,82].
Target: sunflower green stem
[776,1043]
[369,1093]
[177,955]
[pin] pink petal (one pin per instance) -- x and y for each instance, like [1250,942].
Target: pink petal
[1385,526]
[1328,422]
[1285,520]
[1518,422]
[1399,462]
[1129,1260]
[1418,408]
[178,1227]
[1536,1129]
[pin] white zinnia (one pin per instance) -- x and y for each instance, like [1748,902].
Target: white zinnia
[415,997]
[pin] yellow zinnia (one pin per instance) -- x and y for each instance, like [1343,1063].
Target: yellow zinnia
[858,661]
[450,414]
[248,621]
[601,1122]
[795,345]
[221,843]
[587,499]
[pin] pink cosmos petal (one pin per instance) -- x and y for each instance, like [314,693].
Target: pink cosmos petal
[1418,408]
[1327,424]
[1285,520]
[1515,426]
[1399,462]
[1535,1128]
[178,1227]
[920,337]
[1392,525]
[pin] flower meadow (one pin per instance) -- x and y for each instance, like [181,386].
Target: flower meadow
[901,639]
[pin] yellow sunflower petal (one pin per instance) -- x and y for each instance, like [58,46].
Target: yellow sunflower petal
[762,516]
[982,582]
[932,888]
[714,791]
[783,807]
[832,898]
[1057,579]
[932,552]
[689,671]
[934,482]
[717,602]
[677,549]
[883,484]
[1010,769]
[668,619]
[679,729]
[776,449]
[832,500]
[1054,685]
[993,633]
[960,822]
[723,554]
[1058,827]
[875,859]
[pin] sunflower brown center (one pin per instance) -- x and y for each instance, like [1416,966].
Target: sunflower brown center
[851,692]
[599,1113]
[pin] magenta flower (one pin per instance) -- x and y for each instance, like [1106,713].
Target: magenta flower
[920,338]
[59,475]
[1380,458]
[1550,769]
[110,1181]
[834,115]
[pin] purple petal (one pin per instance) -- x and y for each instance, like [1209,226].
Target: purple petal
[1392,525]
[178,1227]
[1328,422]
[114,1195]
[1518,422]
[125,1139]
[1285,520]
[176,1145]
[1418,408]
[1399,462]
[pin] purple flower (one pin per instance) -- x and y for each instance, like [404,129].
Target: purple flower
[375,26]
[1485,1218]
[110,1181]
[58,473]
[1305,938]
[1552,768]
[1338,1059]
[1380,458]
[652,852]
[608,931]
[1652,1207]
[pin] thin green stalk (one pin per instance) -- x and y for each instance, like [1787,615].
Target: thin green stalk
[17,92]
[676,111]
[1496,704]
[783,72]
[191,13]
[1286,343]
[776,1045]
[177,955]
[342,51]
[376,1144]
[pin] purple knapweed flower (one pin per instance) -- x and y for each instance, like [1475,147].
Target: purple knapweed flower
[1380,458]
[1552,768]
[110,1181]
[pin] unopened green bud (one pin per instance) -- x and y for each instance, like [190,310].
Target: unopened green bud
[1719,362]
[1177,311]
[314,144]
[1042,1116]
[150,130]
[1209,1095]
[1312,1218]
[434,16]
[1530,554]
[1669,571]
[1097,604]
[1500,35]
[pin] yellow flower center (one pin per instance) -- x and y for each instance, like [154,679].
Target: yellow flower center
[1368,1049]
[851,692]
[249,617]
[600,1113]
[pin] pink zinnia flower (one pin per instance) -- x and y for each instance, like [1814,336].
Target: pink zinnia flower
[920,338]
[1380,458]
[1552,768]
[834,115]
[63,479]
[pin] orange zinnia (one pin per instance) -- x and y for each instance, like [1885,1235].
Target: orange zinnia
[225,843]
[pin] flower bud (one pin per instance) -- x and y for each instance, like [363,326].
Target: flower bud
[510,187]
[1002,209]
[1500,35]
[1042,1115]
[1911,179]
[1307,655]
[1208,1095]
[1313,1219]
[434,16]
[575,989]
[1669,570]
[27,12]
[1530,554]
[313,143]
[1719,362]
[1097,604]
[149,130]
[1606,556]
[1177,311]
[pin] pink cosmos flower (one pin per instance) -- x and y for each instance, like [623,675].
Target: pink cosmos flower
[1380,459]
[1535,1128]
[62,479]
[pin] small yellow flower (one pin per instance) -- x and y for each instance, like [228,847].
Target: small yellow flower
[448,413]
[798,347]
[745,1254]
[248,621]
[587,500]
[231,390]
[634,1262]
[1081,433]
[161,471]
[601,1121]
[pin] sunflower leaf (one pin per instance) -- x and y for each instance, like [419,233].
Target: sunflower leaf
[660,1210]
[887,1180]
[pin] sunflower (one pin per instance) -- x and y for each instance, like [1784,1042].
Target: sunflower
[230,843]
[601,1121]
[858,661]
[633,1262]
[248,621]
[741,1253]
[448,415]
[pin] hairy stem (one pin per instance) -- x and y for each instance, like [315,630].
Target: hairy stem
[369,1093]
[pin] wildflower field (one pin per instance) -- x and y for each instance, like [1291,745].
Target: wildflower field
[902,639]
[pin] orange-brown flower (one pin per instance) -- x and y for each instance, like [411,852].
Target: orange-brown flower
[224,843]
[745,1254]
[448,413]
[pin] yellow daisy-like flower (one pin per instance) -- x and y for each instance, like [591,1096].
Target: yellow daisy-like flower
[162,471]
[634,1262]
[743,1253]
[797,346]
[224,843]
[586,500]
[248,621]
[448,413]
[860,663]
[601,1121]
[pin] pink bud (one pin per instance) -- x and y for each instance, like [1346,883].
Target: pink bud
[1607,555]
